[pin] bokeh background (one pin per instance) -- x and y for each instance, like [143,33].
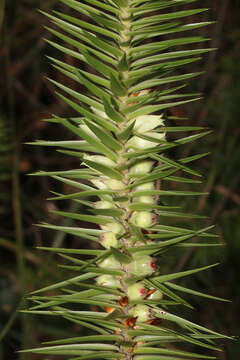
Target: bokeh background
[26,98]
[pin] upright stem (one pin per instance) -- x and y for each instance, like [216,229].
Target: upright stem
[132,290]
[16,203]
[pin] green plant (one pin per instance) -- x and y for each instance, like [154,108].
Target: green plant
[131,50]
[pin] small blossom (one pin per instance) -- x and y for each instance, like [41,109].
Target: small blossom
[103,204]
[113,184]
[143,219]
[103,160]
[136,291]
[141,312]
[114,227]
[142,167]
[110,263]
[108,281]
[108,240]
[142,265]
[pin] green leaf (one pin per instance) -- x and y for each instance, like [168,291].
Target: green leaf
[167,292]
[91,140]
[154,350]
[96,90]
[60,349]
[83,194]
[164,278]
[167,16]
[180,214]
[137,232]
[165,193]
[182,322]
[161,244]
[113,174]
[108,212]
[61,284]
[76,173]
[72,251]
[105,137]
[139,206]
[104,6]
[180,231]
[169,55]
[111,112]
[120,3]
[176,164]
[149,109]
[122,257]
[72,230]
[88,26]
[117,86]
[194,292]
[89,338]
[154,47]
[123,63]
[157,82]
[88,218]
[83,47]
[73,183]
[125,134]
[103,45]
[78,96]
[99,65]
[109,24]
[155,175]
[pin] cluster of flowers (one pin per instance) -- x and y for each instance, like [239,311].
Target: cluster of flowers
[141,265]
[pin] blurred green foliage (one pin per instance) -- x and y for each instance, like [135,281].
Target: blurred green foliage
[26,99]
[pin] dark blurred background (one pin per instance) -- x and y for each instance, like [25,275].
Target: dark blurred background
[27,98]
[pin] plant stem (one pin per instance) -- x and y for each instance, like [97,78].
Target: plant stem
[16,202]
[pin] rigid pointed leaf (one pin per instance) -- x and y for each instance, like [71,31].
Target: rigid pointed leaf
[85,338]
[154,350]
[117,86]
[88,218]
[87,25]
[121,256]
[104,136]
[111,112]
[80,132]
[194,292]
[163,278]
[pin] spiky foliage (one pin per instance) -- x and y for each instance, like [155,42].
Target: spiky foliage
[123,127]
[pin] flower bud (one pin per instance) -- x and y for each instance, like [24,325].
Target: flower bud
[110,263]
[142,265]
[109,239]
[103,160]
[108,280]
[113,184]
[99,183]
[146,123]
[146,199]
[146,186]
[103,204]
[143,219]
[141,312]
[136,291]
[114,227]
[142,144]
[142,167]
